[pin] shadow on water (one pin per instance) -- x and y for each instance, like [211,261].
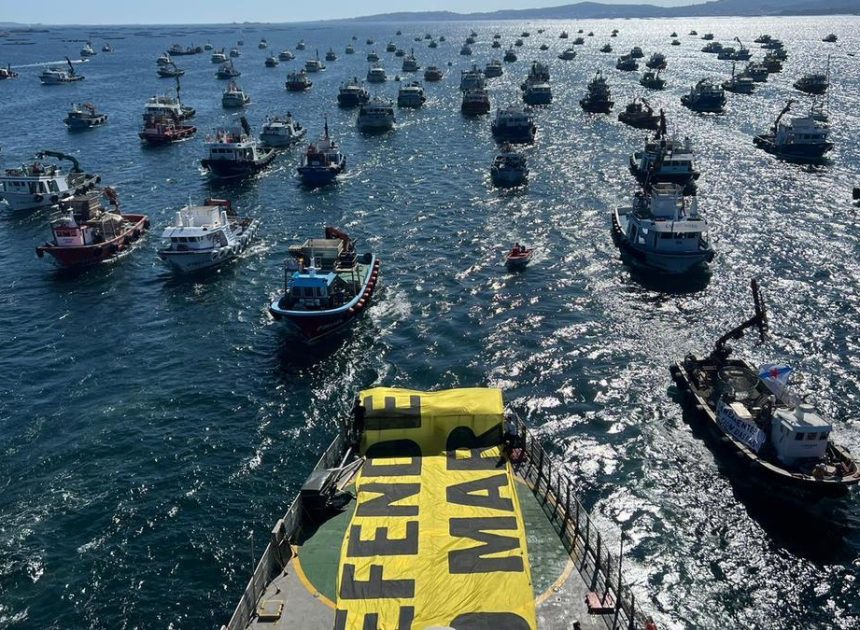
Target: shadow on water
[818,532]
[671,284]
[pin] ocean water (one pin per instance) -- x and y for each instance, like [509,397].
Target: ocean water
[149,427]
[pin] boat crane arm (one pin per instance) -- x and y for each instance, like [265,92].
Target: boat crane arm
[76,167]
[781,114]
[71,67]
[759,320]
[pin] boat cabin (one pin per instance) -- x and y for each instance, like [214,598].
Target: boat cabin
[664,223]
[87,223]
[799,434]
[199,227]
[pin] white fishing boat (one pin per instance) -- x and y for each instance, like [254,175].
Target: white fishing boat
[513,124]
[235,153]
[206,236]
[314,64]
[38,185]
[281,131]
[376,74]
[411,95]
[493,69]
[234,96]
[376,116]
[473,79]
[509,168]
[58,76]
[663,230]
[88,50]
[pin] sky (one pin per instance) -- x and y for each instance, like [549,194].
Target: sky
[224,11]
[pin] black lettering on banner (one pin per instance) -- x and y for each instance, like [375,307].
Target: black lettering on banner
[404,620]
[390,493]
[374,588]
[464,437]
[340,617]
[392,416]
[473,560]
[373,469]
[490,621]
[474,461]
[381,544]
[465,493]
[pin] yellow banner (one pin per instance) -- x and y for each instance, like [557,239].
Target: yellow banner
[436,539]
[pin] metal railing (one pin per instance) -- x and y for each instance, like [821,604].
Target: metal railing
[278,551]
[582,539]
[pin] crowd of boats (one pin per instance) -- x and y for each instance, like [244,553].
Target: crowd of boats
[328,283]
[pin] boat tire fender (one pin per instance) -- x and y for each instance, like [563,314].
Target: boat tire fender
[55,199]
[40,252]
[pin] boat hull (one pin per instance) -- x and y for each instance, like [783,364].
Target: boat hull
[508,179]
[596,107]
[88,255]
[639,122]
[522,135]
[312,326]
[228,169]
[156,139]
[687,180]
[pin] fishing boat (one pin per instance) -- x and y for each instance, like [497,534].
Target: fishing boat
[518,43]
[758,72]
[234,96]
[831,38]
[107,48]
[162,106]
[665,160]
[227,71]
[472,79]
[675,42]
[236,153]
[314,64]
[376,74]
[762,39]
[466,50]
[208,46]
[390,47]
[84,116]
[606,48]
[639,114]
[460,477]
[159,129]
[301,45]
[433,73]
[706,97]
[206,236]
[286,55]
[352,94]
[598,100]
[349,50]
[271,61]
[713,47]
[91,233]
[169,71]
[537,93]
[739,83]
[218,57]
[375,116]
[476,101]
[663,231]
[563,35]
[281,131]
[7,73]
[331,55]
[322,162]
[298,81]
[58,76]
[177,50]
[493,69]
[538,73]
[799,139]
[626,63]
[636,53]
[235,53]
[263,44]
[372,57]
[777,438]
[327,286]
[88,50]
[37,185]
[708,36]
[568,54]
[513,124]
[411,95]
[509,168]
[656,61]
[433,44]
[496,44]
[410,63]
[772,62]
[652,80]
[579,41]
[510,56]
[518,257]
[813,83]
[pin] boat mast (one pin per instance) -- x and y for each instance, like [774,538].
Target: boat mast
[781,114]
[721,352]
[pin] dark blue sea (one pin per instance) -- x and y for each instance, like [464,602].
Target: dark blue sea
[149,426]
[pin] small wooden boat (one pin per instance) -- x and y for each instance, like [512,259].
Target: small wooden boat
[518,257]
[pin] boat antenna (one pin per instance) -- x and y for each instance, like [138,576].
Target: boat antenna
[759,320]
[177,87]
[71,67]
[326,126]
[661,129]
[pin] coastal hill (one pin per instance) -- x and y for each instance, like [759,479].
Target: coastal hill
[596,10]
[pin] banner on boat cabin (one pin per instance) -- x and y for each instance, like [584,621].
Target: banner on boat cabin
[437,537]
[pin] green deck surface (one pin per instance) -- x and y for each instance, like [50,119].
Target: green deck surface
[320,554]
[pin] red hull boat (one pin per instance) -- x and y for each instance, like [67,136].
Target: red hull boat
[165,132]
[91,234]
[518,257]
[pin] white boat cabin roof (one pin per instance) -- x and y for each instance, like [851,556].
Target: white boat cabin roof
[197,221]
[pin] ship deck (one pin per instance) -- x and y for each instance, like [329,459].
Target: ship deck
[562,574]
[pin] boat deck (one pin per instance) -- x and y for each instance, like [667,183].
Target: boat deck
[563,567]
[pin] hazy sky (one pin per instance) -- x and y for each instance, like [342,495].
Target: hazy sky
[220,11]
